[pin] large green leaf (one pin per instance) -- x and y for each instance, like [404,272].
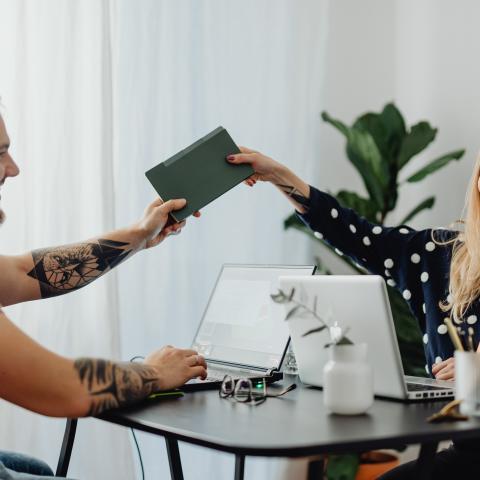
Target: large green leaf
[415,141]
[373,124]
[435,165]
[342,467]
[427,203]
[363,206]
[394,127]
[365,156]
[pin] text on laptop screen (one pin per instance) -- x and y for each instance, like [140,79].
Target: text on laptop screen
[241,323]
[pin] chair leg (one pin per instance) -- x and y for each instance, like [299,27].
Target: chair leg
[67,446]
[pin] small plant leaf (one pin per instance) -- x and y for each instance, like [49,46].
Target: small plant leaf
[279,297]
[314,330]
[427,203]
[293,311]
[292,221]
[435,165]
[419,137]
[292,293]
[340,126]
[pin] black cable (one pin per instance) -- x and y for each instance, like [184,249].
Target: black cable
[139,453]
[138,357]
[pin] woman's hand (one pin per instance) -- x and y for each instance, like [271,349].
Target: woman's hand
[266,169]
[444,370]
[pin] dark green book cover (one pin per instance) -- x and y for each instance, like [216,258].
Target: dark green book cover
[199,173]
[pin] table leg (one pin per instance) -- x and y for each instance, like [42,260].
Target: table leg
[424,466]
[174,461]
[67,446]
[239,466]
[315,469]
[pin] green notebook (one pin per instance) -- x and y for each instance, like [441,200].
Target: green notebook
[199,173]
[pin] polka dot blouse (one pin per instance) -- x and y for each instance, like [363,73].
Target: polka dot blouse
[407,259]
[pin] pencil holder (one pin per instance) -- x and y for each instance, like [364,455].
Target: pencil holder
[467,382]
[348,380]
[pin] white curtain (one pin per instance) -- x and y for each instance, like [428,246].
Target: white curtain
[95,93]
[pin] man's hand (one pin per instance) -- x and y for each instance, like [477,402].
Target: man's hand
[444,370]
[176,366]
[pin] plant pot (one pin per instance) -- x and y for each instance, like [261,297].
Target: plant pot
[348,380]
[373,464]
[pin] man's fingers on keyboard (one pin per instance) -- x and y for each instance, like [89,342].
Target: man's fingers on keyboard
[189,352]
[199,372]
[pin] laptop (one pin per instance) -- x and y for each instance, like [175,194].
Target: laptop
[360,303]
[242,332]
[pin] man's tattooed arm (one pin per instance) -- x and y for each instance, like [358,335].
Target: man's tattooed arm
[60,270]
[113,385]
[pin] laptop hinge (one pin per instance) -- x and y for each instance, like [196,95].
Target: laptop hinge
[244,366]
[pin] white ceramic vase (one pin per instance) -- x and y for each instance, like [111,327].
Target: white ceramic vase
[348,380]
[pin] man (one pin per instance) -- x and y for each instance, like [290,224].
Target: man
[38,379]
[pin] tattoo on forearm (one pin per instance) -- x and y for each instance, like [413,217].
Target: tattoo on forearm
[112,385]
[292,192]
[60,270]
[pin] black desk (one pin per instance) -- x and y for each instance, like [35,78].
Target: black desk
[293,426]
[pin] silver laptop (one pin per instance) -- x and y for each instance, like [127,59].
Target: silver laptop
[359,302]
[242,333]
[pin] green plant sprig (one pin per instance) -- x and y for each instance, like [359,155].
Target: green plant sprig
[283,298]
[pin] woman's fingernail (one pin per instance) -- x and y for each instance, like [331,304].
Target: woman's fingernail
[230,158]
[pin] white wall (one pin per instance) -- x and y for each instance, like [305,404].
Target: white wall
[424,57]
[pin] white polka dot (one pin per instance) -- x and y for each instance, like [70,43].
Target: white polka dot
[442,329]
[472,319]
[407,295]
[377,230]
[424,277]
[438,359]
[387,273]
[338,252]
[318,235]
[334,213]
[353,229]
[388,263]
[424,308]
[430,247]
[425,338]
[366,241]
[404,231]
[364,260]
[427,369]
[415,258]
[391,282]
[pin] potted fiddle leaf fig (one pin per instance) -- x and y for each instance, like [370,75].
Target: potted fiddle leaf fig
[379,146]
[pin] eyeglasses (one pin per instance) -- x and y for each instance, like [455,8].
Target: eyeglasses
[245,390]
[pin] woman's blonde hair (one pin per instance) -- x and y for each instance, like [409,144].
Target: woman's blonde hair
[464,286]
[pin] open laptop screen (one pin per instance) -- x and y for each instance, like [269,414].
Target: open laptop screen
[241,323]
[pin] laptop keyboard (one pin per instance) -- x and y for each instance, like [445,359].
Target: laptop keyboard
[215,374]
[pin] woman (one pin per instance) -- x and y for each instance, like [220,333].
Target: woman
[437,272]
